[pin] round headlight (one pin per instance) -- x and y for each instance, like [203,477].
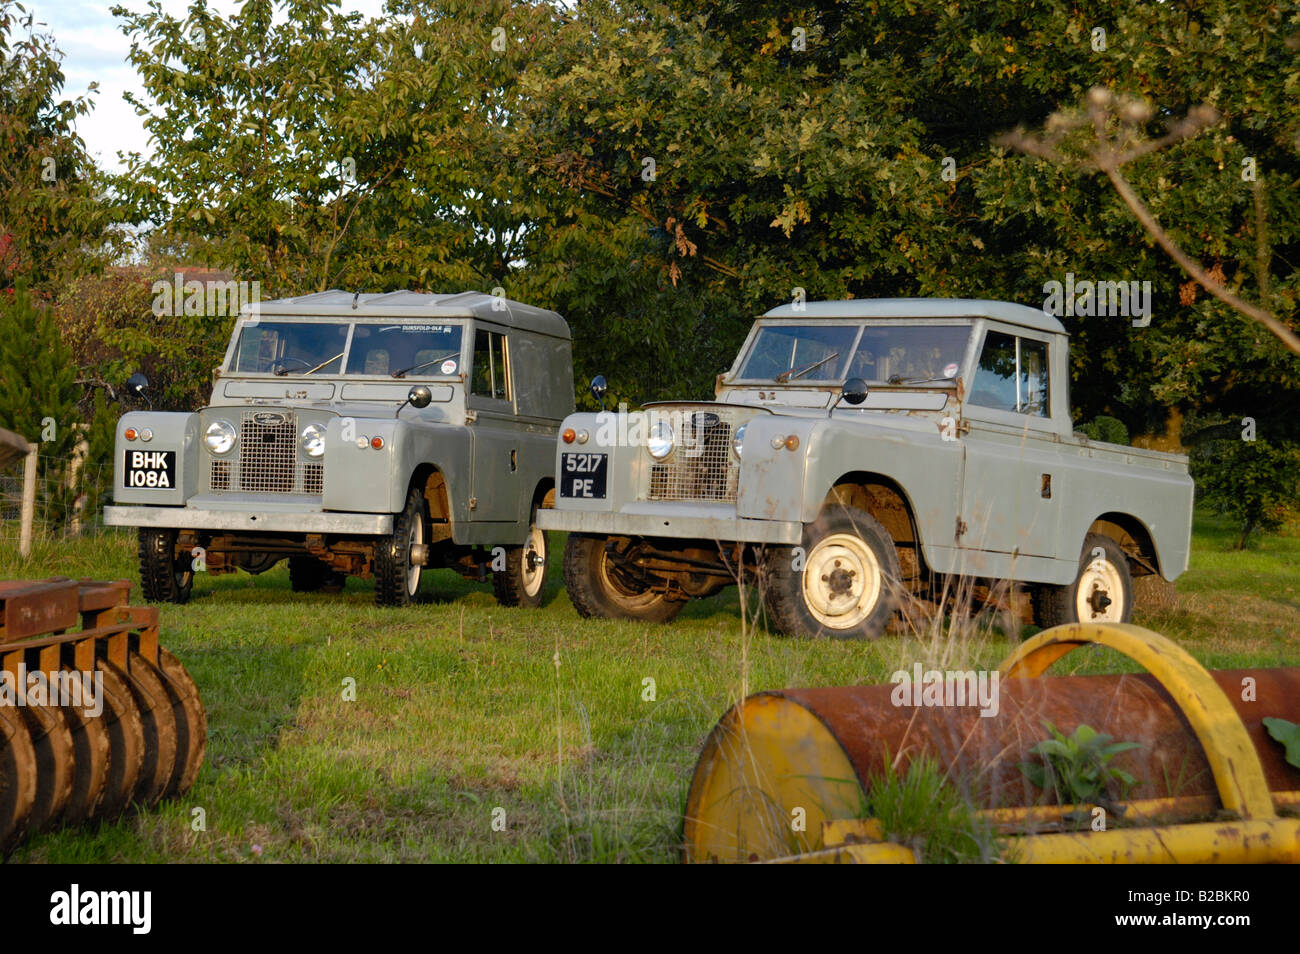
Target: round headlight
[738,442]
[220,437]
[313,440]
[660,441]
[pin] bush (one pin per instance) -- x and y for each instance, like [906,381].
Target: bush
[39,392]
[110,322]
[1109,430]
[1256,483]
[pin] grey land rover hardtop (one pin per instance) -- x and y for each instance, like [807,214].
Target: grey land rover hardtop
[861,451]
[357,434]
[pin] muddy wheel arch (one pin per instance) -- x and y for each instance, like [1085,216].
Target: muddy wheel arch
[885,500]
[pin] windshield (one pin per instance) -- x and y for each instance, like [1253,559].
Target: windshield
[281,347]
[909,354]
[885,353]
[399,350]
[799,353]
[298,348]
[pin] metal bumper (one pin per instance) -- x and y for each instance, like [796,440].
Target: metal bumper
[682,521]
[251,521]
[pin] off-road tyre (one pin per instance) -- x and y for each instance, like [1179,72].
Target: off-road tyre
[523,581]
[396,581]
[847,555]
[597,590]
[164,577]
[1081,601]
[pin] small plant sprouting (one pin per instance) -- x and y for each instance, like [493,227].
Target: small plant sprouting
[1077,770]
[1288,733]
[920,808]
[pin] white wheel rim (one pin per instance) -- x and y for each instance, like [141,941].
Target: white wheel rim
[1100,580]
[413,569]
[533,570]
[842,581]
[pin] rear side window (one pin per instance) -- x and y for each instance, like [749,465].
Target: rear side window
[1012,375]
[491,378]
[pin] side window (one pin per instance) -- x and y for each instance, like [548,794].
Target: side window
[995,379]
[1033,378]
[490,378]
[1012,375]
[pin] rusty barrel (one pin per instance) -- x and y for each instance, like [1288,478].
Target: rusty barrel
[778,764]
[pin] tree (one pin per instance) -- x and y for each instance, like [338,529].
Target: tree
[846,150]
[53,222]
[1256,482]
[659,172]
[39,393]
[323,150]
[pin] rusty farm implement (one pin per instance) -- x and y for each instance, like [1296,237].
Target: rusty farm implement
[95,716]
[1212,786]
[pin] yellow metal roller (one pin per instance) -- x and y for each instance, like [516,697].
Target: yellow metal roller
[785,775]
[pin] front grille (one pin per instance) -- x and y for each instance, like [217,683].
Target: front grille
[268,455]
[220,475]
[268,459]
[702,466]
[313,479]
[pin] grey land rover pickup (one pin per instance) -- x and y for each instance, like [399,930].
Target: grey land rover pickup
[861,451]
[357,435]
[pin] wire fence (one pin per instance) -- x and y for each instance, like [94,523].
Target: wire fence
[70,498]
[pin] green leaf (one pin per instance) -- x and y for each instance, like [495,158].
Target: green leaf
[1288,733]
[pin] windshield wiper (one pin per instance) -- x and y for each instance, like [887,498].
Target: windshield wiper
[417,367]
[790,375]
[896,379]
[323,363]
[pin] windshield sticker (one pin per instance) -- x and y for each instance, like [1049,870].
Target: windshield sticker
[950,371]
[449,366]
[417,329]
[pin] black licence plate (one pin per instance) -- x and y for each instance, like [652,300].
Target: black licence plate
[152,470]
[583,475]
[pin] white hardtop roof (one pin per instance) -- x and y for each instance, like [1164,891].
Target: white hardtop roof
[1013,314]
[408,306]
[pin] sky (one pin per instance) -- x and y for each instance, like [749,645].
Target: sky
[95,50]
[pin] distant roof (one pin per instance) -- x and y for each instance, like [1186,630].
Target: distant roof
[1021,315]
[408,305]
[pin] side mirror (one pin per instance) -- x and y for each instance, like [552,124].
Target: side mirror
[419,396]
[854,391]
[137,384]
[599,387]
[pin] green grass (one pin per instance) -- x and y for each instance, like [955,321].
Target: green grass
[921,810]
[461,710]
